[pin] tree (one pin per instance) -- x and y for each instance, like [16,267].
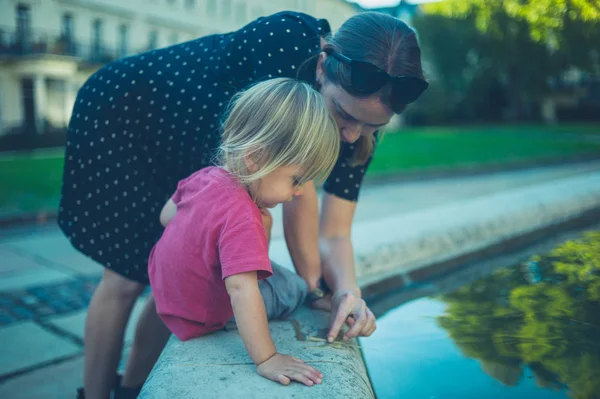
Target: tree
[523,44]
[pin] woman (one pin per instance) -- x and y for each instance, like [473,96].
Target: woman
[142,123]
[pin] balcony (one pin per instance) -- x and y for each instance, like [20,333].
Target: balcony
[19,43]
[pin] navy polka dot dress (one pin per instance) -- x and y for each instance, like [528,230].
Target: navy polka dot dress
[143,123]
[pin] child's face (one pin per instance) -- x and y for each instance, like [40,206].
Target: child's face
[277,187]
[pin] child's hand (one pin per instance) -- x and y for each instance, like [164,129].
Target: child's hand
[282,368]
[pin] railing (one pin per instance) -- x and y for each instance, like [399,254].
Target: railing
[35,42]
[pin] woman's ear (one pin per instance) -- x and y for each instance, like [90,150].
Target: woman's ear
[320,66]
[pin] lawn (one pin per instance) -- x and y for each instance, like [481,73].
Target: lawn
[30,183]
[433,148]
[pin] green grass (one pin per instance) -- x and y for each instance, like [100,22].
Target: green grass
[529,129]
[32,183]
[431,148]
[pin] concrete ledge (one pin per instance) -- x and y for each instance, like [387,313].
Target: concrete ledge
[401,245]
[218,366]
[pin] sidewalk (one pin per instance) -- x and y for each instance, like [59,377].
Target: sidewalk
[45,284]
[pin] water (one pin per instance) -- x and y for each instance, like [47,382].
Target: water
[531,330]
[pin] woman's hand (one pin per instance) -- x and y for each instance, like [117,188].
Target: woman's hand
[283,368]
[348,307]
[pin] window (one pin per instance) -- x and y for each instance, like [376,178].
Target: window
[67,26]
[240,12]
[66,34]
[28,103]
[97,48]
[152,40]
[123,33]
[23,26]
[211,7]
[190,3]
[226,10]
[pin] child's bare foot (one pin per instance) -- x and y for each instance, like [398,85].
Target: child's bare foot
[282,368]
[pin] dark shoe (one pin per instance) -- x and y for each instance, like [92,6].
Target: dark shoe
[127,393]
[118,378]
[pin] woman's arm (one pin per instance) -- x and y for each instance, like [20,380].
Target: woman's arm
[337,258]
[337,255]
[301,228]
[301,225]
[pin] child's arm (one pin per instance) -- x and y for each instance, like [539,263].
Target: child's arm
[167,212]
[251,320]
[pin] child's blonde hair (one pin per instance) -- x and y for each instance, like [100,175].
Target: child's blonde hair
[275,123]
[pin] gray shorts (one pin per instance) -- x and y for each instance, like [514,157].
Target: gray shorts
[284,292]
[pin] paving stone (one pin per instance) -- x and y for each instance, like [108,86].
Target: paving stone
[42,244]
[32,277]
[56,251]
[26,344]
[5,301]
[6,318]
[35,303]
[13,262]
[75,322]
[57,381]
[78,263]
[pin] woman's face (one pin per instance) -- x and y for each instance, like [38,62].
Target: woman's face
[355,116]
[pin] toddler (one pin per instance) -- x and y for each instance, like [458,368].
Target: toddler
[205,268]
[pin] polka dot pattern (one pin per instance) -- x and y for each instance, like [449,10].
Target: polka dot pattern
[345,178]
[141,124]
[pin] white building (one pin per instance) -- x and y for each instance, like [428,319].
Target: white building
[48,48]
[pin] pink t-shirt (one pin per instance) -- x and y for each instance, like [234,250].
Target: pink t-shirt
[217,232]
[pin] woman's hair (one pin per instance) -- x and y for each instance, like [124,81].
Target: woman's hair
[279,122]
[381,40]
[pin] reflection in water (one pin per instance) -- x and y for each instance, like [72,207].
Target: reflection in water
[533,329]
[544,315]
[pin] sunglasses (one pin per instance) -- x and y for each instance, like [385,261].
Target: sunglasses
[366,78]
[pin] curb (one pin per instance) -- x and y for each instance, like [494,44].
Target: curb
[44,217]
[39,218]
[474,170]
[414,249]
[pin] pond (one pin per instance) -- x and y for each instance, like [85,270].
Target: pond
[531,330]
